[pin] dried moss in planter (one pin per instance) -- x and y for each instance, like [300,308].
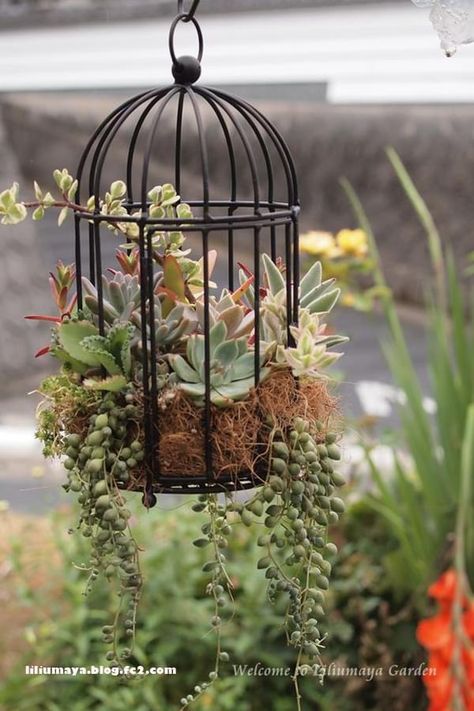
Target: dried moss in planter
[168,383]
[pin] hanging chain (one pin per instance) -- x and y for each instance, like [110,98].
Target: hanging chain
[189,15]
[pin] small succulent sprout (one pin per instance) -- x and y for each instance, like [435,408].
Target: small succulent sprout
[12,211]
[64,180]
[48,200]
[310,323]
[194,273]
[308,357]
[129,261]
[118,190]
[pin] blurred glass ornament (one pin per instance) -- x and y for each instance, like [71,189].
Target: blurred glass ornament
[453,20]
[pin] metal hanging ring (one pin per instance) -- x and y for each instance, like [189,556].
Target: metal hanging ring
[188,15]
[176,21]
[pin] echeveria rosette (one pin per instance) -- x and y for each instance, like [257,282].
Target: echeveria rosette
[316,296]
[232,369]
[239,321]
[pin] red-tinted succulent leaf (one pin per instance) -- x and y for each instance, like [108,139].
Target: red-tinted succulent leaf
[42,351]
[51,319]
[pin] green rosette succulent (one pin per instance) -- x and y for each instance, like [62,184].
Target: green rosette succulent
[317,297]
[239,321]
[121,296]
[232,373]
[171,328]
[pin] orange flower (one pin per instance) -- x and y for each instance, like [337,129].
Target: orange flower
[444,589]
[445,643]
[436,633]
[468,620]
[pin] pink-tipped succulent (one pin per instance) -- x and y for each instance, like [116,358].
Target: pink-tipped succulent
[60,284]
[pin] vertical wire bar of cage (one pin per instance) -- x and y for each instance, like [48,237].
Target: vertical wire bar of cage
[178,143]
[273,241]
[296,268]
[154,426]
[213,96]
[256,266]
[149,453]
[98,263]
[155,97]
[97,166]
[92,271]
[233,197]
[242,110]
[78,260]
[153,412]
[207,359]
[101,129]
[204,156]
[233,189]
[278,142]
[289,286]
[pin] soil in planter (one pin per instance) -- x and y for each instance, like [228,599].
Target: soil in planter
[241,433]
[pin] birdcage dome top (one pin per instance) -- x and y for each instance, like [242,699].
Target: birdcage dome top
[225,157]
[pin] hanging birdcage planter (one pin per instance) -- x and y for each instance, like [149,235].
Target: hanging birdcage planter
[197,364]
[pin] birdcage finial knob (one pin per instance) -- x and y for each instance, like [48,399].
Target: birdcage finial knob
[186,69]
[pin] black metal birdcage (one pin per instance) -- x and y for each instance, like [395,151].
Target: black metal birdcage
[232,166]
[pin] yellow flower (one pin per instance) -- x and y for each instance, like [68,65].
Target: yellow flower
[4,506]
[353,242]
[348,299]
[318,244]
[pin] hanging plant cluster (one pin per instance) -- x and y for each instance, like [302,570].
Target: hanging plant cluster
[168,384]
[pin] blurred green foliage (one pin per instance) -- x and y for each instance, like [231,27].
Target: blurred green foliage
[428,503]
[367,625]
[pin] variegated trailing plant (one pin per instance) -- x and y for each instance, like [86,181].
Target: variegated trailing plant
[91,410]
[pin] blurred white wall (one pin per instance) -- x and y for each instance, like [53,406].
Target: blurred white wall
[367,54]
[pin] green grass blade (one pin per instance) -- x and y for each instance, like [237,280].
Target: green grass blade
[425,217]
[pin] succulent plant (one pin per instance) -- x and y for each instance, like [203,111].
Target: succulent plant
[316,297]
[121,296]
[239,321]
[170,325]
[309,357]
[311,323]
[80,347]
[164,202]
[232,367]
[11,211]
